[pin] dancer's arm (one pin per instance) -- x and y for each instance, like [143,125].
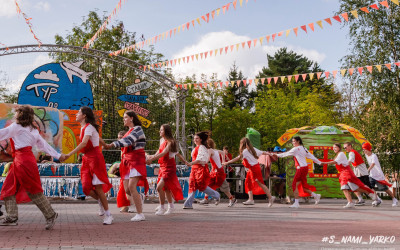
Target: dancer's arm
[136,136]
[202,157]
[45,147]
[159,155]
[286,154]
[8,132]
[231,161]
[79,147]
[182,158]
[374,158]
[313,158]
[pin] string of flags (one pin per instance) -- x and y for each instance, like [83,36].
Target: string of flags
[268,38]
[2,44]
[296,78]
[28,22]
[104,25]
[181,28]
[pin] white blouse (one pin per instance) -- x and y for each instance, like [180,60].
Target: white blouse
[27,137]
[94,135]
[216,158]
[301,154]
[250,158]
[341,159]
[202,154]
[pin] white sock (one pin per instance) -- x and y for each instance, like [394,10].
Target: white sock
[162,206]
[296,201]
[313,194]
[171,205]
[108,213]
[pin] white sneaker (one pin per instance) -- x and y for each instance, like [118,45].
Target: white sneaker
[395,202]
[138,217]
[248,202]
[295,205]
[132,209]
[349,205]
[271,201]
[161,211]
[317,198]
[108,220]
[101,209]
[124,209]
[232,202]
[169,211]
[157,208]
[203,202]
[376,203]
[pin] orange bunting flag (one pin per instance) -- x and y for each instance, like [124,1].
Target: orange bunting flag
[345,16]
[226,49]
[384,3]
[303,76]
[326,74]
[369,68]
[388,65]
[360,70]
[280,33]
[245,82]
[365,9]
[397,64]
[238,82]
[374,6]
[273,37]
[295,30]
[243,44]
[334,73]
[351,71]
[311,25]
[262,80]
[249,43]
[276,79]
[328,20]
[319,75]
[296,77]
[267,37]
[289,78]
[304,28]
[232,46]
[337,18]
[255,42]
[250,81]
[269,80]
[234,4]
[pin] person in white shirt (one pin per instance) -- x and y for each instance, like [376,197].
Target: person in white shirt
[359,168]
[22,183]
[376,175]
[300,153]
[347,178]
[254,180]
[200,175]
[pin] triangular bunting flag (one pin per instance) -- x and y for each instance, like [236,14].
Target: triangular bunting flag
[237,46]
[289,78]
[374,6]
[283,78]
[208,17]
[319,75]
[295,30]
[254,42]
[304,28]
[234,4]
[249,43]
[226,49]
[388,65]
[287,33]
[296,78]
[384,3]
[276,79]
[232,83]
[198,20]
[395,2]
[256,81]
[211,52]
[218,10]
[192,57]
[379,68]
[303,76]
[319,23]
[269,80]
[201,55]
[311,25]
[345,16]
[261,40]
[354,13]
[245,82]
[240,2]
[197,56]
[213,14]
[205,54]
[337,18]
[215,52]
[267,39]
[280,33]
[243,44]
[238,83]
[365,9]
[397,64]
[334,73]
[262,80]
[327,74]
[273,37]
[220,50]
[328,20]
[351,71]
[369,68]
[311,75]
[250,81]
[342,72]
[360,70]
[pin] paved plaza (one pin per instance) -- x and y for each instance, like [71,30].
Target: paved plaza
[325,226]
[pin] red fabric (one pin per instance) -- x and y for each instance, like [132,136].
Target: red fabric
[93,163]
[367,146]
[122,201]
[135,159]
[168,173]
[252,175]
[217,175]
[385,183]
[347,175]
[199,175]
[23,176]
[301,175]
[359,160]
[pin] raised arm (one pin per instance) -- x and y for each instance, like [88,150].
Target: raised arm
[8,132]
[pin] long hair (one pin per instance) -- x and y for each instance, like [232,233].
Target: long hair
[25,116]
[203,137]
[245,143]
[88,112]
[339,146]
[135,118]
[211,143]
[170,138]
[299,140]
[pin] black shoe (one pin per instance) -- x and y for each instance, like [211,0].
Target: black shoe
[9,222]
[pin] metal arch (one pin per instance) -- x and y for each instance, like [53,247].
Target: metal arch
[165,81]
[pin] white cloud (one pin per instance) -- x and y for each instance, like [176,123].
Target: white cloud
[42,6]
[249,61]
[7,8]
[49,75]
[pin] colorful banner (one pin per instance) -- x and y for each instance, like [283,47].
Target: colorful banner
[185,26]
[290,78]
[72,130]
[289,134]
[136,87]
[359,137]
[28,22]
[104,25]
[134,98]
[4,46]
[268,38]
[48,120]
[137,109]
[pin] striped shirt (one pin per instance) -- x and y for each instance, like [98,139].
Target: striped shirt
[136,139]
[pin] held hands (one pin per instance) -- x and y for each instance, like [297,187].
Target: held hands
[109,146]
[63,157]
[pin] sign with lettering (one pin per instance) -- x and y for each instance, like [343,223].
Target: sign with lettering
[137,109]
[145,122]
[134,98]
[136,87]
[59,85]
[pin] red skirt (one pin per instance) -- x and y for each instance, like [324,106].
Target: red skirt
[23,176]
[253,174]
[199,178]
[301,175]
[217,178]
[93,163]
[347,175]
[168,173]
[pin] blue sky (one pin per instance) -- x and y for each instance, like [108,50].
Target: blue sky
[152,17]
